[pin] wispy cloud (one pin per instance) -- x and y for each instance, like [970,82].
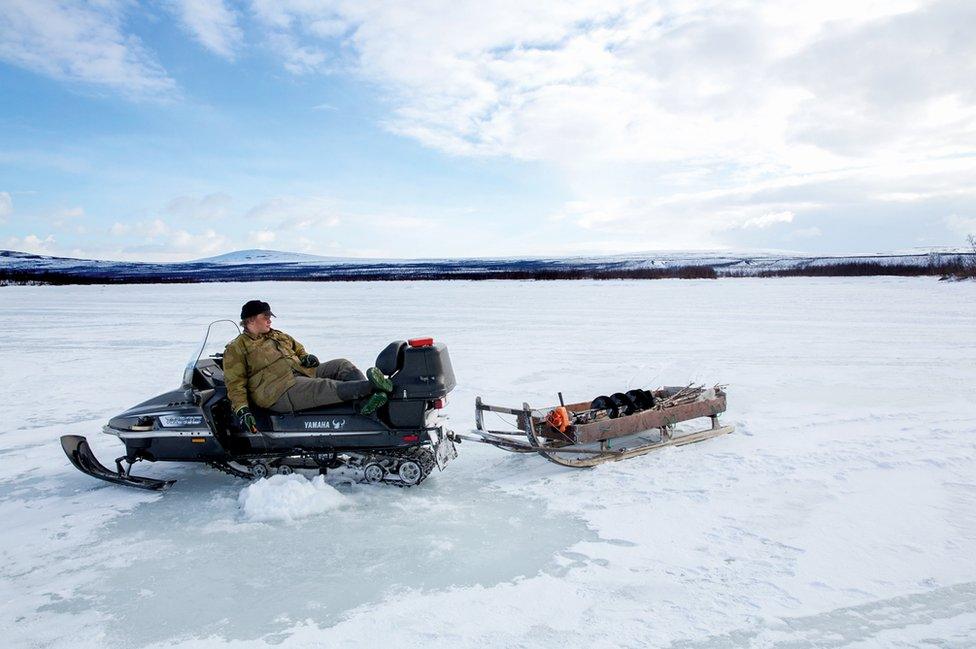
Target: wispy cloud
[210,206]
[81,42]
[286,213]
[213,23]
[6,206]
[298,58]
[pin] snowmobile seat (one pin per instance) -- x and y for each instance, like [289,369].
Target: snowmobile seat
[268,420]
[343,408]
[390,360]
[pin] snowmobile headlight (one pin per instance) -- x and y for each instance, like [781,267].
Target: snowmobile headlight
[178,421]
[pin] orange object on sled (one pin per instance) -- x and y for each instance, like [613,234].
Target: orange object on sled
[558,419]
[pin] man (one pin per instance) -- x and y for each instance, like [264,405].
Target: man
[272,370]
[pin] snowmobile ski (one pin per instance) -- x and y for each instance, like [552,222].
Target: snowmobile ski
[79,452]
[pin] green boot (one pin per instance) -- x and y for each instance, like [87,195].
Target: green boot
[374,403]
[379,381]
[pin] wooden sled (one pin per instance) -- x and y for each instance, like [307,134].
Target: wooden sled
[595,436]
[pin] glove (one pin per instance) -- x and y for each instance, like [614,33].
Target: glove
[309,360]
[246,419]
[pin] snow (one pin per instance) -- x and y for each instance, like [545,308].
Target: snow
[288,498]
[841,513]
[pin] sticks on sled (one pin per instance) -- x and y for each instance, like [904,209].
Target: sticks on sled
[580,435]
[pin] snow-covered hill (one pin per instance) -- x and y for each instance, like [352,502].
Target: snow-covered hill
[255,265]
[257,256]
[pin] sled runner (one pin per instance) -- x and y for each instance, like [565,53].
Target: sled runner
[607,429]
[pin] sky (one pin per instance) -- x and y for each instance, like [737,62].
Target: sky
[179,129]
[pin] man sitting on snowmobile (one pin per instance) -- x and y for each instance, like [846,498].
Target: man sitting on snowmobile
[271,369]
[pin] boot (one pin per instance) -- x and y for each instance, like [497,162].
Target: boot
[374,403]
[379,381]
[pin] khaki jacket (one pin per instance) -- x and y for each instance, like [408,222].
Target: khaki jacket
[259,368]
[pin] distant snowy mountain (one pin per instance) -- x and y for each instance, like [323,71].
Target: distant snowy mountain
[271,257]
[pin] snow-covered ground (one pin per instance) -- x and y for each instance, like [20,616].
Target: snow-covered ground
[841,513]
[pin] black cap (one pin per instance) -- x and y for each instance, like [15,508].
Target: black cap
[253,308]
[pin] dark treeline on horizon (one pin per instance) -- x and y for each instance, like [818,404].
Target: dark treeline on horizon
[62,277]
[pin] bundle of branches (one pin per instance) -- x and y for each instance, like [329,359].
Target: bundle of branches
[687,394]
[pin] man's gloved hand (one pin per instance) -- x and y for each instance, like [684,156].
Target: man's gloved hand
[309,360]
[246,419]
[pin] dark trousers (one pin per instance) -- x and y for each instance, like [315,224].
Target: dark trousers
[320,391]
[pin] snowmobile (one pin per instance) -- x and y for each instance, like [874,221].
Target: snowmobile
[400,444]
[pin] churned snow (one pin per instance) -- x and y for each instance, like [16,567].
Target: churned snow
[841,513]
[288,498]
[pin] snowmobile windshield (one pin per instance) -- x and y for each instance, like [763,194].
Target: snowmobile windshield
[219,333]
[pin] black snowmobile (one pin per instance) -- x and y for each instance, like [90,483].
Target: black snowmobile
[400,444]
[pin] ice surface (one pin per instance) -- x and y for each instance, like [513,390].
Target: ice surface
[841,513]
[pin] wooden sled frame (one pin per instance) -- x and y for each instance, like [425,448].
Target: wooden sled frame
[593,440]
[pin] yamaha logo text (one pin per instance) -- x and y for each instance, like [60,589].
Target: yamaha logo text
[325,424]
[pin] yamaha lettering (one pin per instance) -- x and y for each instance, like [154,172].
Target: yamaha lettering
[334,424]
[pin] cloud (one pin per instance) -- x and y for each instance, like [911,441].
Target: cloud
[156,228]
[304,244]
[961,225]
[261,237]
[6,206]
[292,222]
[298,58]
[211,206]
[678,220]
[766,220]
[805,233]
[68,219]
[285,213]
[71,213]
[213,24]
[80,42]
[164,241]
[906,80]
[145,229]
[627,81]
[32,244]
[645,108]
[200,243]
[405,222]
